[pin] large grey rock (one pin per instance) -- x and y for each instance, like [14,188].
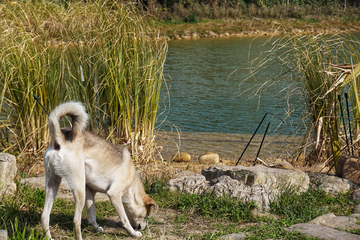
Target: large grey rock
[7,174]
[193,184]
[273,178]
[261,194]
[224,185]
[322,232]
[330,183]
[345,223]
[64,191]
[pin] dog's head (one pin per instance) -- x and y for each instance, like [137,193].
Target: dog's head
[137,211]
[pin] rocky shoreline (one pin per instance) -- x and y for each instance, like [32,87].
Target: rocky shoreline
[254,28]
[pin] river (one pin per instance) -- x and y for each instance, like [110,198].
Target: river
[211,104]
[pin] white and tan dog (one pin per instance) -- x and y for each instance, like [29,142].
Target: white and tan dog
[90,164]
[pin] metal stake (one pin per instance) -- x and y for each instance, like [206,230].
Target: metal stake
[348,114]
[267,128]
[344,126]
[36,98]
[247,145]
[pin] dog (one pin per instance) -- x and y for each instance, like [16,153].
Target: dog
[90,164]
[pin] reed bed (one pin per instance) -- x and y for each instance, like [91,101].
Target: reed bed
[312,62]
[101,53]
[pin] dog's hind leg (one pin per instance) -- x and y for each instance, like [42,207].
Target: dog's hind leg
[51,187]
[78,189]
[90,209]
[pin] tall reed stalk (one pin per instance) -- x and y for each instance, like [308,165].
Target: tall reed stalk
[42,49]
[308,61]
[29,66]
[123,61]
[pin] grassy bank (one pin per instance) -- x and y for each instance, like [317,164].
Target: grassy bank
[181,215]
[195,18]
[251,27]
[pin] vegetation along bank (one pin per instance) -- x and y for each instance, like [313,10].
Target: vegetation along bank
[222,18]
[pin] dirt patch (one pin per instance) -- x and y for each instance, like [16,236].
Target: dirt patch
[166,224]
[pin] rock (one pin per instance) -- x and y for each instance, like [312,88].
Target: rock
[260,194]
[320,167]
[195,35]
[330,183]
[234,236]
[355,215]
[209,158]
[274,178]
[356,195]
[345,223]
[181,157]
[322,232]
[193,184]
[212,34]
[340,164]
[64,191]
[3,235]
[7,174]
[357,209]
[351,170]
[348,167]
[285,165]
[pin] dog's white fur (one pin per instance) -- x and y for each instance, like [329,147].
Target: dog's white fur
[90,164]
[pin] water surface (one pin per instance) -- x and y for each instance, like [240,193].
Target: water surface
[206,87]
[212,106]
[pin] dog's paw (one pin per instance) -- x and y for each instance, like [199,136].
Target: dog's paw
[99,229]
[137,234]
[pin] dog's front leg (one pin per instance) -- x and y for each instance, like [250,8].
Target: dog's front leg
[116,201]
[90,209]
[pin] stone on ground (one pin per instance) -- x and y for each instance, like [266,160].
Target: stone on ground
[7,174]
[330,183]
[209,158]
[345,223]
[322,232]
[348,167]
[181,157]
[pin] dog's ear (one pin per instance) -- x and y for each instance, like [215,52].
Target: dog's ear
[151,206]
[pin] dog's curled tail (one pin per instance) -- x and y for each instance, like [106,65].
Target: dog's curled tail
[78,115]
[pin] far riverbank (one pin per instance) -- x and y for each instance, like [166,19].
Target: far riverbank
[252,27]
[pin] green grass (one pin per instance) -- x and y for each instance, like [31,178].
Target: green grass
[21,213]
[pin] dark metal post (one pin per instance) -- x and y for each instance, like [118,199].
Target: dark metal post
[36,98]
[267,128]
[251,139]
[348,115]
[344,125]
